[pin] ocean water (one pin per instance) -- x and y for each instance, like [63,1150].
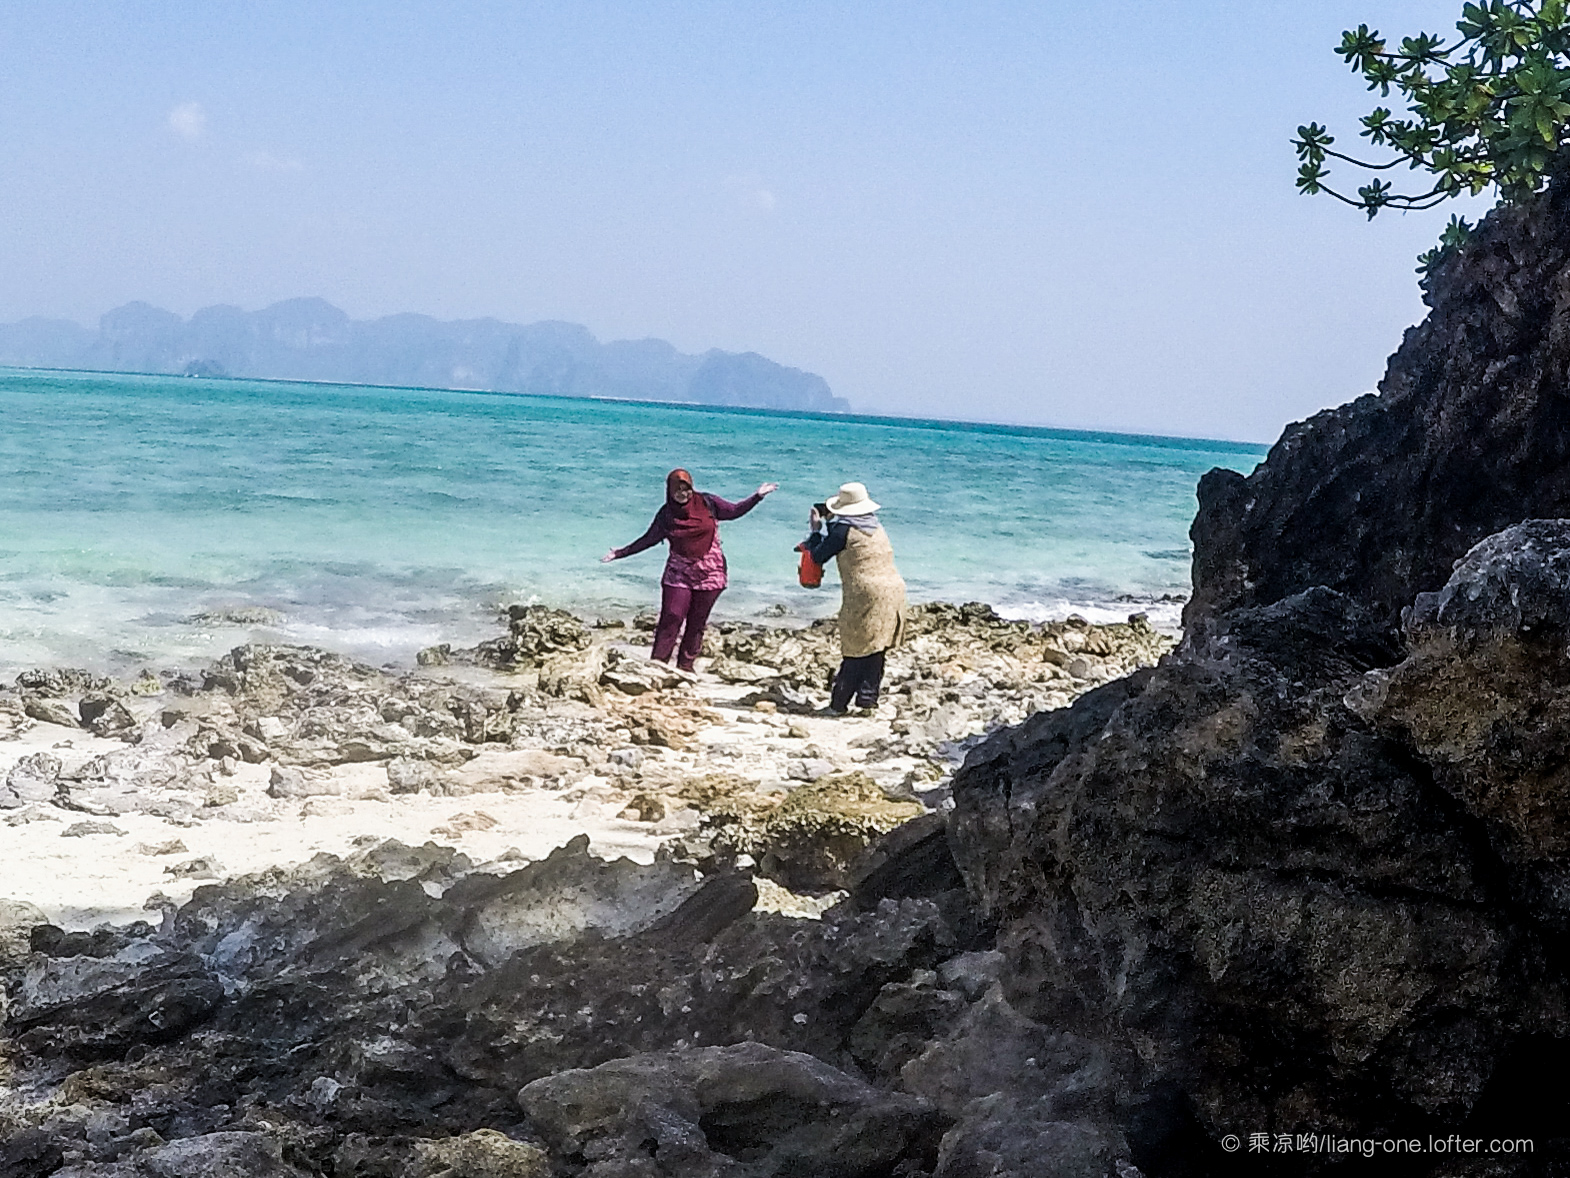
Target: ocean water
[149,520]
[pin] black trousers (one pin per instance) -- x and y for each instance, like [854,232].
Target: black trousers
[860,678]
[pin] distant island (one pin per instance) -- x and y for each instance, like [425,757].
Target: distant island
[310,339]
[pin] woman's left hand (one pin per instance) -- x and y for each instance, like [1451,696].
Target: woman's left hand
[767,489]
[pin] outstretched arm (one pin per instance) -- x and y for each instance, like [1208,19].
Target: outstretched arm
[725,509]
[649,539]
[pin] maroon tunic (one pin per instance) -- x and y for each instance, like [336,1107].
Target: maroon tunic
[705,571]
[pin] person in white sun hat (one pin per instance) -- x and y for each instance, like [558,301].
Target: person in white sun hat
[872,593]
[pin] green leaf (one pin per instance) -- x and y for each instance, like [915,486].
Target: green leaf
[1489,109]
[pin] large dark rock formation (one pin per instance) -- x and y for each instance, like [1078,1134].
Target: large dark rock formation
[1470,433]
[1311,875]
[357,1015]
[1241,872]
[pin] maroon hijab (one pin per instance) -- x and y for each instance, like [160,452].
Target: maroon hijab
[690,526]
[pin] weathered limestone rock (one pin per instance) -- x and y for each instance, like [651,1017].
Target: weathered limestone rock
[535,633]
[34,778]
[17,921]
[48,710]
[211,1155]
[143,778]
[106,716]
[744,1111]
[1484,698]
[14,721]
[61,682]
[88,1007]
[483,1153]
[636,676]
[812,841]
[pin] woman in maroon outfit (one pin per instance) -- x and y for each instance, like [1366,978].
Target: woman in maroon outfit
[695,569]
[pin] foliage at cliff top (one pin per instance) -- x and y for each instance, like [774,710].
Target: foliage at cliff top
[1488,109]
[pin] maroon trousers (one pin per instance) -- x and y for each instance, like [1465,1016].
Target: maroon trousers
[679,606]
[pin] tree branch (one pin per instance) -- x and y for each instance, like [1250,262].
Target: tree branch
[1414,161]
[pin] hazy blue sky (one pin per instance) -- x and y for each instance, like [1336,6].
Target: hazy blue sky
[1071,213]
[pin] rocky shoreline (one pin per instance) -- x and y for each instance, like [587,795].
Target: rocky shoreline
[178,844]
[556,711]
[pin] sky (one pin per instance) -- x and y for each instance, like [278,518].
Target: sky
[1076,213]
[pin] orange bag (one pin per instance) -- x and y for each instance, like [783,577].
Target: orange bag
[810,574]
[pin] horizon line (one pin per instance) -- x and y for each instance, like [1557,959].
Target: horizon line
[1103,436]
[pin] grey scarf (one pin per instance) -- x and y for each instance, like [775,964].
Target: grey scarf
[865,523]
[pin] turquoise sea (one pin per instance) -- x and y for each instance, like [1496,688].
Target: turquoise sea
[376,521]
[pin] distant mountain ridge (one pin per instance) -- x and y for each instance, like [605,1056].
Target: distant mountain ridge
[310,339]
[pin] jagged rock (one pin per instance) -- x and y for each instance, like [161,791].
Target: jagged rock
[439,655]
[144,778]
[963,669]
[901,1022]
[565,896]
[32,812]
[34,778]
[60,682]
[491,771]
[913,859]
[167,847]
[484,1153]
[636,676]
[49,710]
[629,758]
[1377,498]
[30,1153]
[664,719]
[990,1051]
[746,1110]
[1484,697]
[88,1008]
[946,722]
[535,633]
[242,615]
[1275,904]
[408,776]
[408,994]
[211,1155]
[1007,1139]
[14,721]
[202,867]
[812,841]
[973,974]
[809,769]
[709,973]
[574,675]
[460,824]
[288,781]
[82,829]
[733,671]
[264,676]
[18,918]
[105,716]
[647,807]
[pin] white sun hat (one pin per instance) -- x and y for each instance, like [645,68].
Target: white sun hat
[852,500]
